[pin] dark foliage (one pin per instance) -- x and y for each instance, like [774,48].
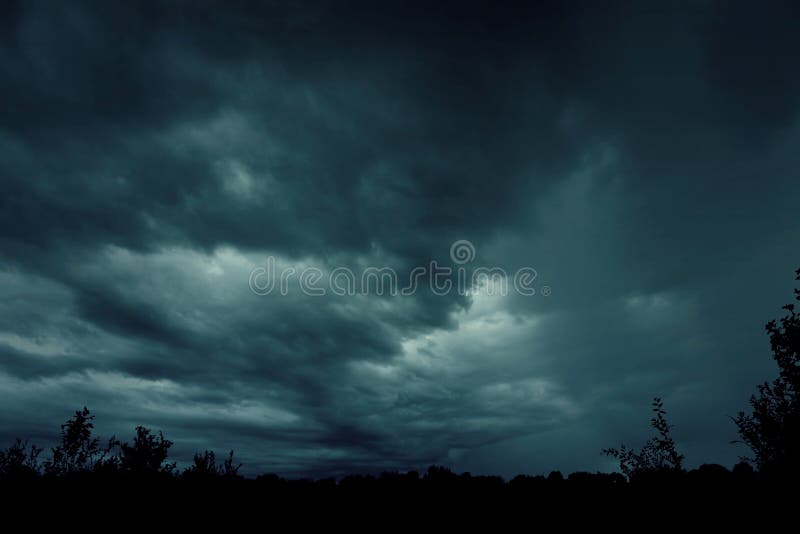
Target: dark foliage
[147,456]
[19,461]
[772,429]
[78,450]
[135,479]
[205,467]
[659,454]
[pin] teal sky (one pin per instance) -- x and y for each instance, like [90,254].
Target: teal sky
[642,157]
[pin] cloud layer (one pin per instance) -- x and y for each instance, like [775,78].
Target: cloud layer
[642,160]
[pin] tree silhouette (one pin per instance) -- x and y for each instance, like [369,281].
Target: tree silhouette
[147,455]
[78,450]
[772,430]
[658,454]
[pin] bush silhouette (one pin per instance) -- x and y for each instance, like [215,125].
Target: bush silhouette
[205,467]
[20,462]
[147,456]
[658,455]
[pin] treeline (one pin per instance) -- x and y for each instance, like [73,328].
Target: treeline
[771,430]
[81,455]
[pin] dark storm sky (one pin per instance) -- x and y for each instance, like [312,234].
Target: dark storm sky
[643,158]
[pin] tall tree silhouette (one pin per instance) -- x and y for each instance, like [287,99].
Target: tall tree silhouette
[772,430]
[658,454]
[78,449]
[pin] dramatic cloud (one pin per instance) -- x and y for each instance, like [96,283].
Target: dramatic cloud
[643,160]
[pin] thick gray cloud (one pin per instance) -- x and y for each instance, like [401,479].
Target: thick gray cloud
[642,159]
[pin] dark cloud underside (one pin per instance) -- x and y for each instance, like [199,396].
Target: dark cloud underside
[642,157]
